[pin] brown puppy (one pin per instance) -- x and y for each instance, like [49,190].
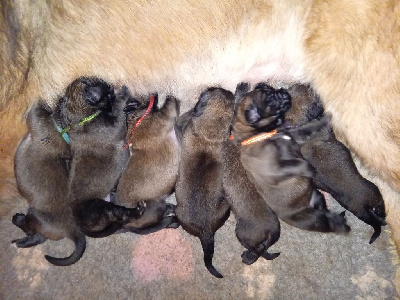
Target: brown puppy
[42,179]
[257,226]
[93,117]
[46,44]
[154,154]
[201,205]
[335,171]
[275,165]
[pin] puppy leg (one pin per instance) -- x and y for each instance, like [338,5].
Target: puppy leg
[249,257]
[303,133]
[99,218]
[318,201]
[27,223]
[29,241]
[315,220]
[295,167]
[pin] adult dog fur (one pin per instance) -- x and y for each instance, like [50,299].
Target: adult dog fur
[98,156]
[201,204]
[275,165]
[154,156]
[335,171]
[348,50]
[42,178]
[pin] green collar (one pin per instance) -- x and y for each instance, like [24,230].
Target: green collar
[63,132]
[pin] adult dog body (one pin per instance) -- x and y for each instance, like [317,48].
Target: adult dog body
[348,50]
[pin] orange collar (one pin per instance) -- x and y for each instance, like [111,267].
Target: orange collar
[258,138]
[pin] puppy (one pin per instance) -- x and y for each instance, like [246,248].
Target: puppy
[335,171]
[201,205]
[275,165]
[42,178]
[154,156]
[93,117]
[257,226]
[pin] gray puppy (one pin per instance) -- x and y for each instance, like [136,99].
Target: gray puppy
[93,117]
[201,205]
[335,171]
[42,178]
[257,226]
[151,173]
[275,164]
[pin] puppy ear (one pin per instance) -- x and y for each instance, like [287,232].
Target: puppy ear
[241,90]
[263,86]
[155,105]
[201,104]
[252,115]
[131,106]
[93,94]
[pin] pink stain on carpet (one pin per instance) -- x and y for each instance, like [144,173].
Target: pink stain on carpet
[163,253]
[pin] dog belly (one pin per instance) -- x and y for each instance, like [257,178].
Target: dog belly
[149,57]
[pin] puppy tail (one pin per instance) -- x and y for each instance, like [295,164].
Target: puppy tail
[80,246]
[207,242]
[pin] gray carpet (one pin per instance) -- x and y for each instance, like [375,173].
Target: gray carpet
[168,265]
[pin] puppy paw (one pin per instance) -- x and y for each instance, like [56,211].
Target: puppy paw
[19,219]
[270,256]
[249,257]
[242,88]
[337,222]
[141,207]
[29,241]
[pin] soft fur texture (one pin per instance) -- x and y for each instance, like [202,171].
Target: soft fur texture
[98,156]
[42,177]
[275,165]
[335,171]
[154,153]
[257,226]
[348,50]
[202,207]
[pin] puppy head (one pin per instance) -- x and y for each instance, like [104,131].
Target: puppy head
[87,95]
[213,114]
[263,108]
[306,105]
[136,108]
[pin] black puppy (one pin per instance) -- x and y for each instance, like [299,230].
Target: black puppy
[274,163]
[201,205]
[335,171]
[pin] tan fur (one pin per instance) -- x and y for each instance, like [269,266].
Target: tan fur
[154,154]
[348,49]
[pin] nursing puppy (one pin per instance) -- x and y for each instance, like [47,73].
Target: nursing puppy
[335,171]
[42,178]
[340,61]
[257,226]
[275,165]
[201,205]
[93,118]
[151,173]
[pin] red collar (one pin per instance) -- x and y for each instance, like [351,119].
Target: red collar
[140,120]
